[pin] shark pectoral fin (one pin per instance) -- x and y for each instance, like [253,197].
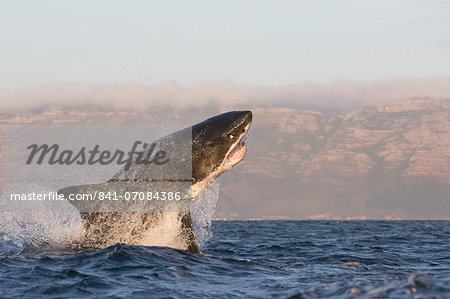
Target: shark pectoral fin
[189,233]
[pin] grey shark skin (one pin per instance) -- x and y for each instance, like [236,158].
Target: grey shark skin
[216,146]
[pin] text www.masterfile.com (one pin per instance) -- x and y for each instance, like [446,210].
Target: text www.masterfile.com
[96,195]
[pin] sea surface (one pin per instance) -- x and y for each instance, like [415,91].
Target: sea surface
[287,259]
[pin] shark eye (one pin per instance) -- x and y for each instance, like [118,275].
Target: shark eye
[231,136]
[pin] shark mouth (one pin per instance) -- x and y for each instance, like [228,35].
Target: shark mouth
[237,153]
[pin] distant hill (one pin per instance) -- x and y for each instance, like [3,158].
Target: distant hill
[385,161]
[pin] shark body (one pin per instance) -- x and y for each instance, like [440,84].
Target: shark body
[214,146]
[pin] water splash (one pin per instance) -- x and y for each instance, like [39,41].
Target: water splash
[43,224]
[202,212]
[39,227]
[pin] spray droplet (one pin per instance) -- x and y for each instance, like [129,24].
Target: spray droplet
[202,212]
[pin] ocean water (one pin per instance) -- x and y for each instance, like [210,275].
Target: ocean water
[287,259]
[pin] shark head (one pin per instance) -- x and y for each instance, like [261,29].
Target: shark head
[218,144]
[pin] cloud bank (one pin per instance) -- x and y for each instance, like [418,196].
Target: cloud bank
[338,95]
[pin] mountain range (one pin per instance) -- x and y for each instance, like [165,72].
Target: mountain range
[384,161]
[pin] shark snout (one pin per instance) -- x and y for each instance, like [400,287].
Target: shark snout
[246,116]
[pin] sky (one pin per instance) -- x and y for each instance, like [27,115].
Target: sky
[267,43]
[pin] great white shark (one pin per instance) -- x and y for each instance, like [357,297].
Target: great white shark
[215,145]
